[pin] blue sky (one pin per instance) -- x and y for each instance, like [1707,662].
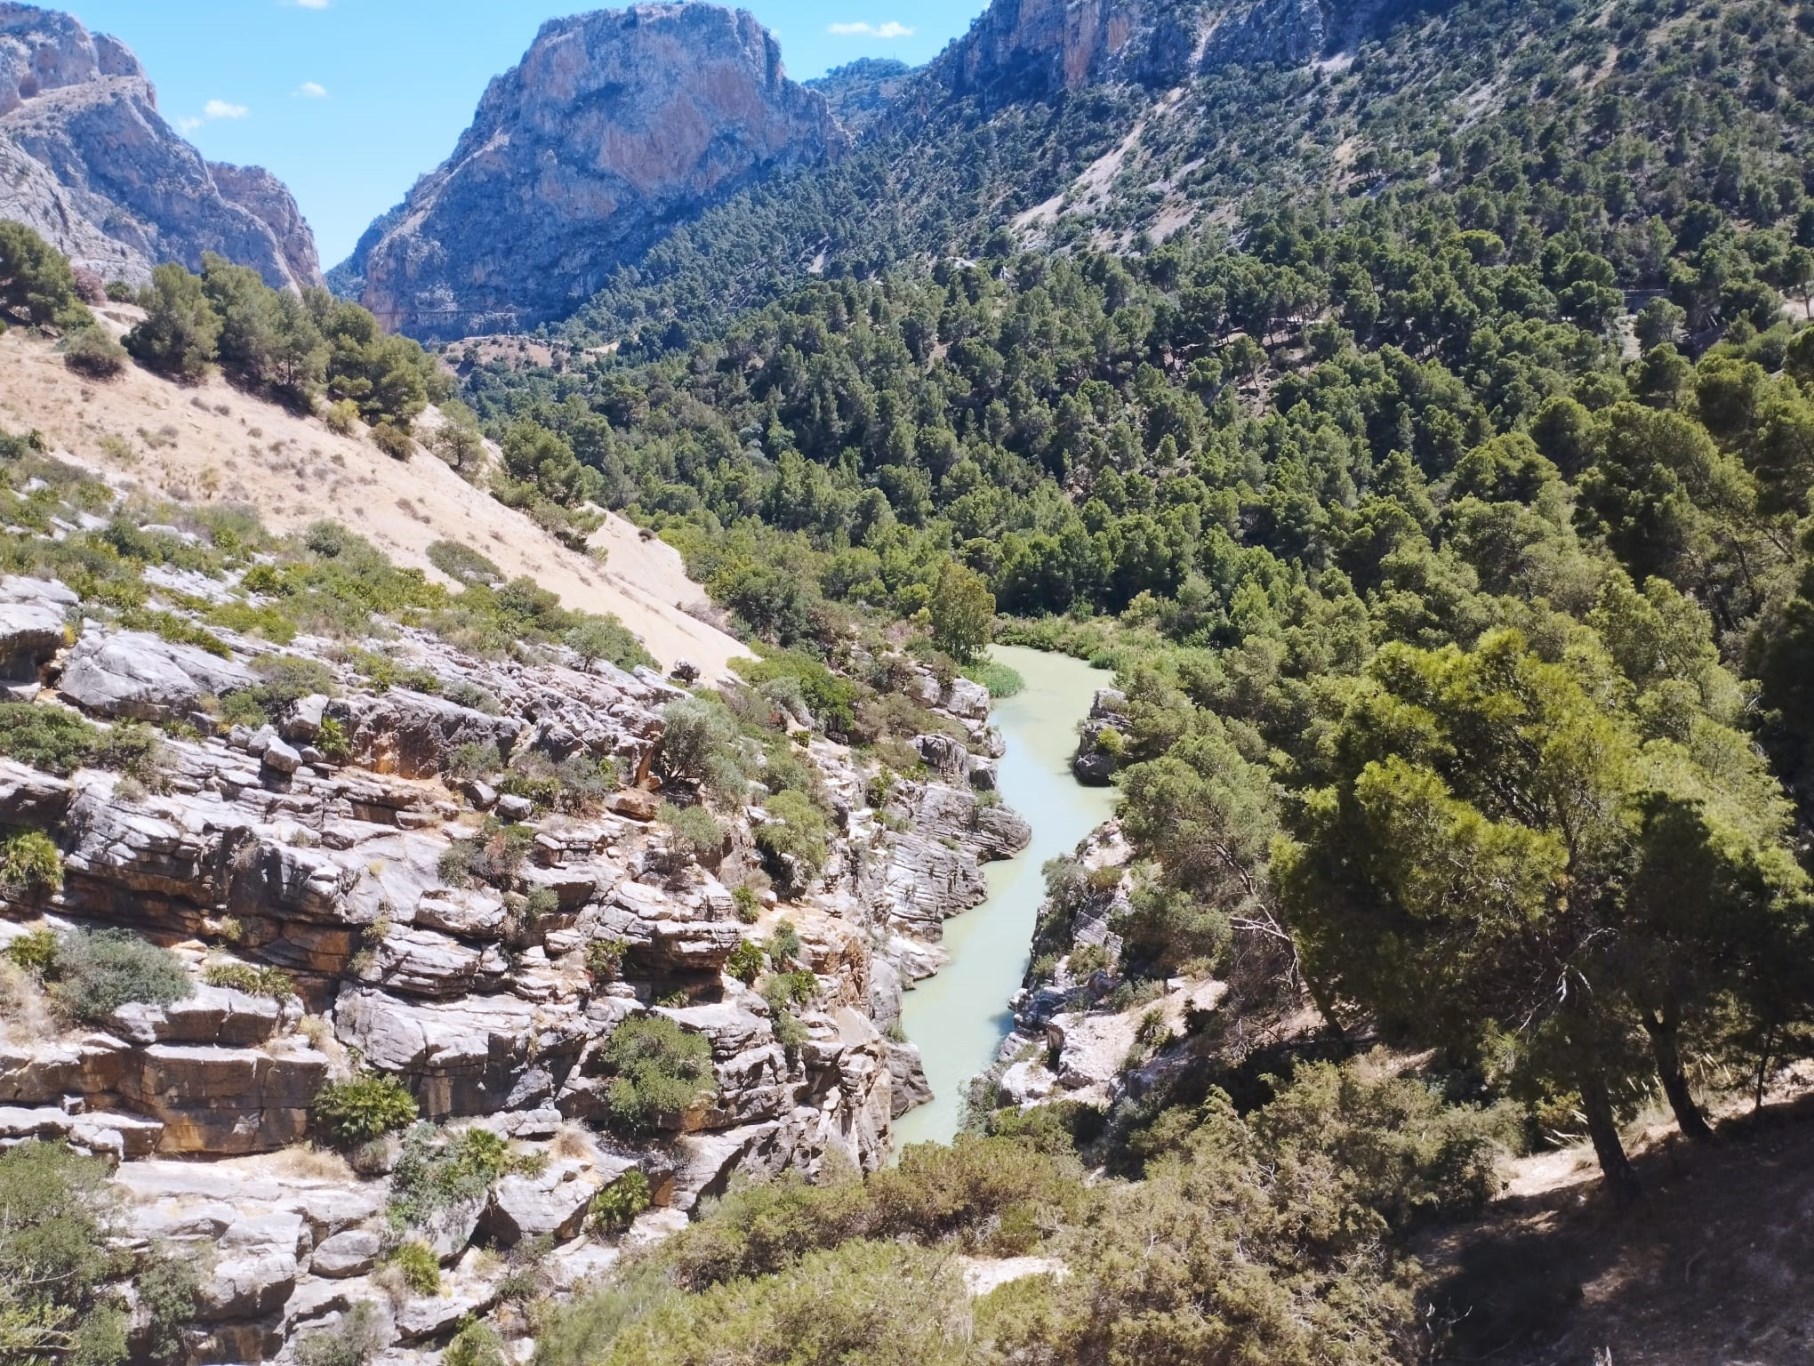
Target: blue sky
[350,100]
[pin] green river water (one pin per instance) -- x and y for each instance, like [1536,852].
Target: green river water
[960,1017]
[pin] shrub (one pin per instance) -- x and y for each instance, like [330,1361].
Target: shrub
[784,944]
[35,951]
[181,329]
[31,866]
[47,738]
[93,353]
[616,1206]
[786,989]
[99,971]
[332,740]
[605,959]
[36,282]
[748,904]
[342,418]
[464,692]
[472,759]
[420,1269]
[475,1345]
[494,855]
[361,1109]
[606,638]
[661,1072]
[795,831]
[699,744]
[253,979]
[463,564]
[693,831]
[354,1341]
[167,1284]
[394,440]
[436,1174]
[999,679]
[790,1031]
[55,1257]
[746,961]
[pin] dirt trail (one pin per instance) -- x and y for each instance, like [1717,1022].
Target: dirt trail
[211,443]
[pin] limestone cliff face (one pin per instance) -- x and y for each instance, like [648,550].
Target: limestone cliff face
[1040,49]
[615,126]
[87,160]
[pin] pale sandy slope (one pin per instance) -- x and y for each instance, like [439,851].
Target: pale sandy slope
[212,443]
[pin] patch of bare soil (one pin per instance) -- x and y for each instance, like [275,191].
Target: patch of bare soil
[1714,1264]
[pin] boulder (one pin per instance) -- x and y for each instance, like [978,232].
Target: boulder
[352,1252]
[224,1101]
[909,1086]
[139,676]
[28,797]
[551,1204]
[967,699]
[33,621]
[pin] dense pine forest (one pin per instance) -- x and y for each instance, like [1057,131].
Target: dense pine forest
[1437,494]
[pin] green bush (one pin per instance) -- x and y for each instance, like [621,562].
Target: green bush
[605,959]
[463,564]
[595,638]
[616,1206]
[746,961]
[700,745]
[253,979]
[420,1269]
[354,1341]
[1001,681]
[476,1344]
[47,738]
[93,353]
[369,1106]
[693,831]
[748,904]
[796,829]
[56,1255]
[437,1173]
[35,951]
[472,759]
[661,1072]
[37,285]
[786,989]
[98,971]
[181,331]
[31,865]
[784,944]
[167,1283]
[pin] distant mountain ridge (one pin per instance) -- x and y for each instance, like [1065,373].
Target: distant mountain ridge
[88,161]
[614,127]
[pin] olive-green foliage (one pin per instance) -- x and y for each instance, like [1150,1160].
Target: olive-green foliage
[354,1341]
[616,1206]
[284,680]
[693,830]
[49,738]
[605,959]
[55,1257]
[93,353]
[436,1174]
[962,612]
[31,865]
[98,971]
[660,1071]
[35,950]
[464,564]
[700,745]
[418,1266]
[748,904]
[167,1282]
[746,961]
[784,989]
[795,829]
[784,943]
[829,698]
[253,979]
[181,329]
[494,855]
[476,1344]
[370,1105]
[605,638]
[36,284]
[1001,681]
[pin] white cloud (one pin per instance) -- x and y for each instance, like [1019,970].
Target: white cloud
[890,29]
[220,109]
[310,4]
[312,90]
[189,123]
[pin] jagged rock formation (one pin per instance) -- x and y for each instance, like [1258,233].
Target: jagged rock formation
[614,127]
[87,160]
[254,850]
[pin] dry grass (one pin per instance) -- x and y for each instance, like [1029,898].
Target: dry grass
[196,444]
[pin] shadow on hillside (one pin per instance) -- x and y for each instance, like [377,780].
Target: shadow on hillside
[1714,1264]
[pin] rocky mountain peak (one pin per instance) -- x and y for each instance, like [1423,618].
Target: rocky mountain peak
[615,126]
[88,161]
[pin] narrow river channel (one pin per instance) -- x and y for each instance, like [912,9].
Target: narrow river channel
[960,1017]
